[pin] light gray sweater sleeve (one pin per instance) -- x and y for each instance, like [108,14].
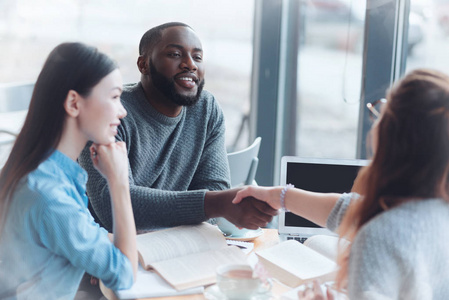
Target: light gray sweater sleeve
[338,212]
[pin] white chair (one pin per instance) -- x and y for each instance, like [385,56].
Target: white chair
[11,136]
[14,101]
[243,164]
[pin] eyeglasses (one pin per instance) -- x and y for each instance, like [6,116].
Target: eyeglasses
[375,108]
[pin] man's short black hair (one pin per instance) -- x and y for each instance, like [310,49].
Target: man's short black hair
[153,36]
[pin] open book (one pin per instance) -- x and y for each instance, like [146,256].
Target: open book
[293,263]
[187,256]
[150,285]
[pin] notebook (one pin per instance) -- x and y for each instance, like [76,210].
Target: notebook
[317,175]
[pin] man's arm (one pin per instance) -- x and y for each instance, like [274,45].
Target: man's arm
[152,208]
[157,208]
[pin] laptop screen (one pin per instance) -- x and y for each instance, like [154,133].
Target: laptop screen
[317,175]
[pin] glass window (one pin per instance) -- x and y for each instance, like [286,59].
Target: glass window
[30,29]
[329,77]
[428,38]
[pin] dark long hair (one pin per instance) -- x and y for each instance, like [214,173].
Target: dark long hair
[70,66]
[411,159]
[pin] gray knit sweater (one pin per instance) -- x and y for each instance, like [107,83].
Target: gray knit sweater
[402,253]
[173,162]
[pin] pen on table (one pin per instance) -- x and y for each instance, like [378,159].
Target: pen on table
[240,246]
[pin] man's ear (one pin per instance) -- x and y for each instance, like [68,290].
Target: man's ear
[143,65]
[71,103]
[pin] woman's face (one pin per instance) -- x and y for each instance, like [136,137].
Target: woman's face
[102,110]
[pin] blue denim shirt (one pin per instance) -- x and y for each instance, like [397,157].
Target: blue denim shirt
[50,239]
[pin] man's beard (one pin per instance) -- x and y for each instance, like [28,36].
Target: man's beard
[167,87]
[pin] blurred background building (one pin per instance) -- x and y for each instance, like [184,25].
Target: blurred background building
[324,52]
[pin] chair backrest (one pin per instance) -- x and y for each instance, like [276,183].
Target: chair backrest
[7,139]
[15,96]
[14,101]
[243,164]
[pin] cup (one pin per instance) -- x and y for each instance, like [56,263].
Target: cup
[237,281]
[230,229]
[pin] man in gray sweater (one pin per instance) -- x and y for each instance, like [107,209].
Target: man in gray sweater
[174,133]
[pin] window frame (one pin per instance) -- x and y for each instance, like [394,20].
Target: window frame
[273,97]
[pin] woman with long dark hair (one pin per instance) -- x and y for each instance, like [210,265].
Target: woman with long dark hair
[48,238]
[398,225]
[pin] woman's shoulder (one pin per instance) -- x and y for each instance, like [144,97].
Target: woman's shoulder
[36,196]
[49,182]
[416,213]
[406,224]
[400,247]
[40,190]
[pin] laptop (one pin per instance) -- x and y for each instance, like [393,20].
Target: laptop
[317,175]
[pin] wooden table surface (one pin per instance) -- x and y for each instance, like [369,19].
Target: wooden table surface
[266,240]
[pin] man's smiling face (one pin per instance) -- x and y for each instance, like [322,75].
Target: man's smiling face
[176,65]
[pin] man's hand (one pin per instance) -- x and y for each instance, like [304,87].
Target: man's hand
[249,213]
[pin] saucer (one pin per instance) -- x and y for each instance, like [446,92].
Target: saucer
[248,236]
[212,292]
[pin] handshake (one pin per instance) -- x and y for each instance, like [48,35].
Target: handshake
[245,211]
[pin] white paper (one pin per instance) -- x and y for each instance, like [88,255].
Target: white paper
[198,268]
[246,247]
[327,245]
[149,284]
[298,259]
[179,241]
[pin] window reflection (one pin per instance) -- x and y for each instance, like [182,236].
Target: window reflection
[329,77]
[430,19]
[30,29]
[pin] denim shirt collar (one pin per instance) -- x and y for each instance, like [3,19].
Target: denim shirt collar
[72,170]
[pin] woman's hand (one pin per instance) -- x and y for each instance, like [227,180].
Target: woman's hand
[312,206]
[314,292]
[270,195]
[111,161]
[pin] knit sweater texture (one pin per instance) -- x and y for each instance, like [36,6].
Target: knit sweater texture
[402,253]
[173,161]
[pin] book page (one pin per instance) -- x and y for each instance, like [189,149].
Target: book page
[298,260]
[246,247]
[327,245]
[150,284]
[178,241]
[198,268]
